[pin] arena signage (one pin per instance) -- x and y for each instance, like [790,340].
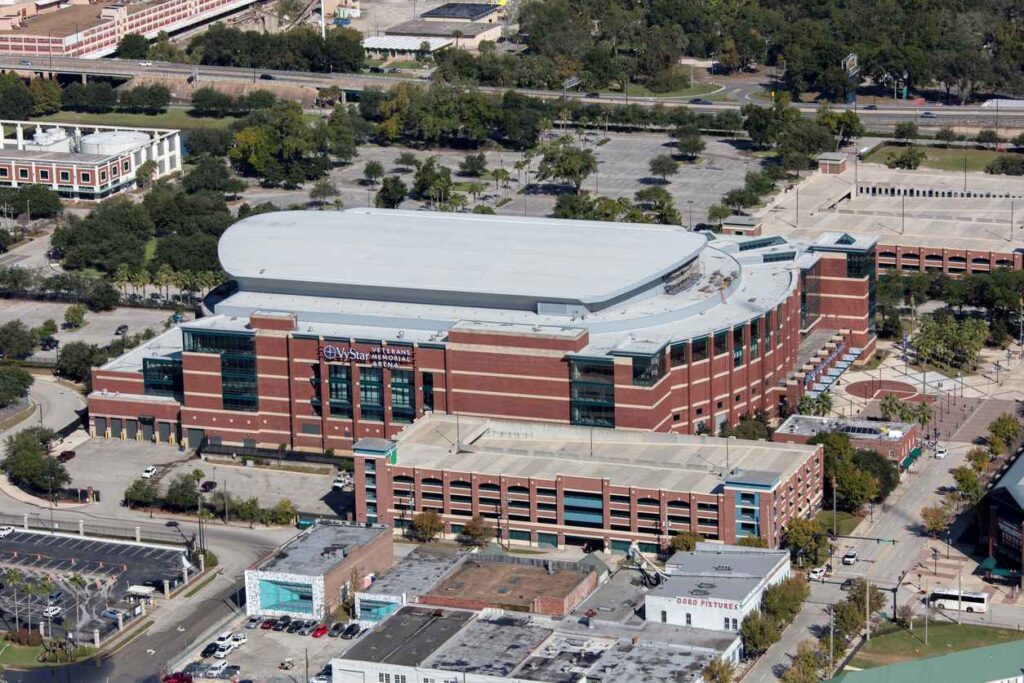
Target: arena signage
[376,356]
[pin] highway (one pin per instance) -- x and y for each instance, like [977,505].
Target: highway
[882,116]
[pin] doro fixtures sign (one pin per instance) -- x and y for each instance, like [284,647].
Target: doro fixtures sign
[376,356]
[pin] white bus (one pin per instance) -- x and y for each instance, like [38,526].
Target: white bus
[951,598]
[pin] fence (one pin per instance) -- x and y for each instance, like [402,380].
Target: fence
[137,533]
[285,455]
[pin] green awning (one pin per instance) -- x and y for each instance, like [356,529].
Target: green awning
[909,460]
[988,564]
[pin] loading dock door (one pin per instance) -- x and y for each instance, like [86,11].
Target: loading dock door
[132,427]
[101,426]
[164,429]
[147,431]
[195,437]
[115,427]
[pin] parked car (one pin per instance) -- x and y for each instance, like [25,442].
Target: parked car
[267,624]
[6,531]
[308,627]
[146,63]
[208,486]
[850,558]
[593,95]
[148,472]
[230,672]
[294,626]
[254,622]
[55,598]
[282,623]
[239,639]
[351,631]
[336,629]
[51,611]
[121,330]
[339,483]
[177,677]
[941,452]
[816,574]
[224,637]
[224,649]
[320,631]
[216,669]
[65,456]
[377,70]
[846,585]
[208,650]
[111,614]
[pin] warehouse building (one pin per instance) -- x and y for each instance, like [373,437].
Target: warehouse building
[553,485]
[898,441]
[80,161]
[361,321]
[311,575]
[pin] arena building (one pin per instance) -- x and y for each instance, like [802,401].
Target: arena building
[342,325]
[81,161]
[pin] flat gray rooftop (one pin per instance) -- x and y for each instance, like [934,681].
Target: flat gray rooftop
[644,661]
[809,425]
[409,636]
[422,27]
[418,572]
[471,11]
[377,251]
[320,548]
[626,458]
[59,157]
[490,647]
[618,599]
[716,560]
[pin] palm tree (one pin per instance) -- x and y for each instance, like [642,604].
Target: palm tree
[923,414]
[823,404]
[456,34]
[806,405]
[502,176]
[891,407]
[13,578]
[475,189]
[140,278]
[123,276]
[79,584]
[165,278]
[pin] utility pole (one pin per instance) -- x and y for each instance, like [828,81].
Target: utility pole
[867,607]
[831,638]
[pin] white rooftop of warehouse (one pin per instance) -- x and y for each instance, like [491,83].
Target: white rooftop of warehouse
[627,458]
[405,43]
[376,250]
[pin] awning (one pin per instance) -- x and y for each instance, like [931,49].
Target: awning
[909,460]
[988,564]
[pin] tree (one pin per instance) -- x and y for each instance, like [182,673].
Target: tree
[46,97]
[978,459]
[211,174]
[14,384]
[77,359]
[562,161]
[15,98]
[718,213]
[758,632]
[936,519]
[74,316]
[947,135]
[719,671]
[663,166]
[27,465]
[182,494]
[690,146]
[823,404]
[373,171]
[987,136]
[909,159]
[781,602]
[923,414]
[891,407]
[391,194]
[145,171]
[432,181]
[141,493]
[805,538]
[905,131]
[685,541]
[427,525]
[477,532]
[132,46]
[848,620]
[807,663]
[16,340]
[407,161]
[1005,427]
[752,542]
[969,485]
[322,191]
[884,471]
[473,165]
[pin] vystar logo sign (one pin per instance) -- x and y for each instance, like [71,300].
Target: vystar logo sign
[377,356]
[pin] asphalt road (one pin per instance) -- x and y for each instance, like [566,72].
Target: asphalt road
[59,404]
[885,115]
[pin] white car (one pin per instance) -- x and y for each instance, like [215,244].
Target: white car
[223,650]
[146,63]
[339,483]
[941,452]
[850,557]
[51,612]
[816,574]
[148,472]
[6,531]
[239,639]
[224,637]
[215,669]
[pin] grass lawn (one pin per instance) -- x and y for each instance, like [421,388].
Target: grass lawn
[941,159]
[637,90]
[18,656]
[407,64]
[150,250]
[845,522]
[903,645]
[172,118]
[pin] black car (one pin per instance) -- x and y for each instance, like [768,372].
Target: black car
[846,585]
[871,107]
[700,100]
[377,70]
[295,626]
[282,623]
[350,632]
[208,650]
[593,95]
[121,330]
[336,629]
[208,486]
[266,77]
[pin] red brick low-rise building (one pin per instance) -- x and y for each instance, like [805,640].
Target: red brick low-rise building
[556,485]
[344,325]
[897,441]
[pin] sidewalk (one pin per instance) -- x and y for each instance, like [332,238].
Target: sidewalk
[9,489]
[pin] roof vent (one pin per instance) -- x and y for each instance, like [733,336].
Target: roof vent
[699,591]
[723,568]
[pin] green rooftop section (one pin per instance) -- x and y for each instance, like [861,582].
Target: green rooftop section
[976,665]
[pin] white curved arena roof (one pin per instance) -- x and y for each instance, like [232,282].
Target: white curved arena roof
[404,255]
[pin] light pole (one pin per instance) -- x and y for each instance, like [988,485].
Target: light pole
[689,224]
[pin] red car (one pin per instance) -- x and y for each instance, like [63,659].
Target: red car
[178,677]
[320,631]
[267,624]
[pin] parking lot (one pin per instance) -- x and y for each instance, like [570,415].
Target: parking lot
[111,465]
[99,328]
[261,657]
[92,575]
